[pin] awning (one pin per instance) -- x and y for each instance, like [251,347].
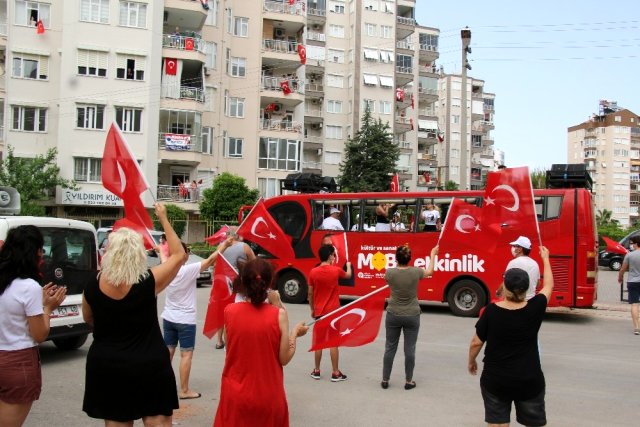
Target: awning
[386,81]
[370,79]
[428,125]
[371,54]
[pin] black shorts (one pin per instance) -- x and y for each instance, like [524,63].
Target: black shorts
[528,412]
[634,292]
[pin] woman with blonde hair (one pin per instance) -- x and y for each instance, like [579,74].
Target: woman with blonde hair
[128,353]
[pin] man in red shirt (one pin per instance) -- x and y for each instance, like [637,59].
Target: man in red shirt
[324,298]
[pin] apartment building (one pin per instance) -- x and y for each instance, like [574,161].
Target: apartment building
[479,141]
[609,144]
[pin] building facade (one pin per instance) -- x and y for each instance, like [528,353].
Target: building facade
[609,144]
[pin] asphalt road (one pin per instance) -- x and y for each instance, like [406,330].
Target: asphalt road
[590,359]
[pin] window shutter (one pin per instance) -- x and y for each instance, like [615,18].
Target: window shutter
[85,10]
[92,59]
[122,62]
[82,58]
[124,12]
[43,73]
[142,15]
[103,60]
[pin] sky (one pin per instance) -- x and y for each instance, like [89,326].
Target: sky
[548,62]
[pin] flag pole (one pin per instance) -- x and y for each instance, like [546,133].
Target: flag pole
[346,247]
[446,221]
[345,306]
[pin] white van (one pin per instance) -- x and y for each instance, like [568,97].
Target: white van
[71,260]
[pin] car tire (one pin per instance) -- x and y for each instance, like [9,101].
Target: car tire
[70,343]
[615,264]
[466,298]
[292,287]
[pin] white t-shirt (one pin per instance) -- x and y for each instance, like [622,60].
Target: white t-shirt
[430,217]
[532,269]
[331,223]
[23,298]
[180,300]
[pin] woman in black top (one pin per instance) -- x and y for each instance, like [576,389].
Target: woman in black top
[382,217]
[512,371]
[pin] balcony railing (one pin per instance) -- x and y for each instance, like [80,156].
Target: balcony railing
[404,144]
[314,139]
[313,112]
[176,91]
[404,44]
[179,142]
[317,36]
[181,42]
[428,47]
[403,69]
[427,91]
[405,21]
[275,83]
[281,125]
[313,87]
[284,7]
[312,62]
[280,46]
[426,112]
[404,169]
[311,165]
[178,193]
[317,12]
[403,120]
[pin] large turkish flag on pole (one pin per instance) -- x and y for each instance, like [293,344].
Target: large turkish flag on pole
[395,184]
[221,296]
[352,325]
[508,208]
[462,229]
[260,227]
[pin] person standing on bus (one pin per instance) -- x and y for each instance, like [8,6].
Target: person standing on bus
[512,371]
[396,222]
[324,296]
[631,263]
[403,313]
[382,217]
[431,218]
[332,222]
[520,249]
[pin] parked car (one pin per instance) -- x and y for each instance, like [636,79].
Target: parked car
[614,260]
[205,276]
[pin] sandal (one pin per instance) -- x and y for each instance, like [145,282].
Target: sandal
[384,384]
[409,386]
[219,346]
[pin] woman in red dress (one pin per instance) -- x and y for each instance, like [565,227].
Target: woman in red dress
[258,346]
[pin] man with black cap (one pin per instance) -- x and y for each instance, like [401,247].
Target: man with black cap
[520,249]
[512,371]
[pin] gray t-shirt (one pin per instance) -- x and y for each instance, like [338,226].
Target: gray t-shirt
[633,260]
[404,290]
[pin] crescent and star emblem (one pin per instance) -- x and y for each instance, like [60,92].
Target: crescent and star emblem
[357,311]
[123,177]
[508,188]
[255,225]
[476,226]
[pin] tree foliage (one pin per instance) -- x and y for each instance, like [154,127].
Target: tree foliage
[538,178]
[177,218]
[35,178]
[604,217]
[370,158]
[225,197]
[451,186]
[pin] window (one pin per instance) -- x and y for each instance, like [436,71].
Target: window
[94,11]
[371,5]
[210,100]
[334,106]
[385,107]
[212,55]
[333,132]
[237,67]
[476,141]
[617,118]
[207,140]
[92,63]
[129,119]
[27,66]
[624,153]
[336,55]
[350,80]
[455,153]
[370,29]
[30,12]
[335,80]
[279,154]
[370,79]
[370,54]
[29,119]
[233,147]
[336,31]
[268,187]
[229,13]
[455,102]
[133,14]
[130,67]
[386,31]
[455,119]
[338,8]
[212,14]
[332,157]
[241,27]
[369,104]
[236,107]
[90,116]
[386,56]
[87,169]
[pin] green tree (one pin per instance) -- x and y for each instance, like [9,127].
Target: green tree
[451,186]
[539,178]
[370,157]
[35,179]
[604,218]
[226,195]
[177,217]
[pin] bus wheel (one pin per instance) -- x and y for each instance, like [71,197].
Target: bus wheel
[292,287]
[466,298]
[70,343]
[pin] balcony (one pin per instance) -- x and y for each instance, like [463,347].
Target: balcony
[427,137]
[405,172]
[315,65]
[280,125]
[312,167]
[404,75]
[313,114]
[183,42]
[1,133]
[180,97]
[316,16]
[428,70]
[316,36]
[405,26]
[312,142]
[178,193]
[280,53]
[283,11]
[487,153]
[404,100]
[402,124]
[427,113]
[314,89]
[182,148]
[405,47]
[404,146]
[426,94]
[424,158]
[488,124]
[184,13]
[272,90]
[428,52]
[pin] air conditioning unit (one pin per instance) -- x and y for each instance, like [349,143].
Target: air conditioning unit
[277,108]
[279,32]
[207,71]
[316,26]
[319,151]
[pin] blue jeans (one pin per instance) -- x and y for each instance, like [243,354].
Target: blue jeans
[409,325]
[179,332]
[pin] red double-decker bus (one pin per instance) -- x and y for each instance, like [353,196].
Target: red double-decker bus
[465,279]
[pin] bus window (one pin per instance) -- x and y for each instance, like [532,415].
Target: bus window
[400,216]
[348,210]
[433,220]
[548,207]
[291,217]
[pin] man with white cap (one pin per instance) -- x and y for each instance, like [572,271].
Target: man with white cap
[332,222]
[520,249]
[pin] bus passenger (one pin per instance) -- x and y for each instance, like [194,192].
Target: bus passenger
[396,223]
[431,218]
[332,222]
[382,217]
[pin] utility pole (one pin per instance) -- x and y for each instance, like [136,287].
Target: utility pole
[464,142]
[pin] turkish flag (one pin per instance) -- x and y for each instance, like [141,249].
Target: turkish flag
[40,27]
[260,227]
[352,325]
[284,85]
[270,107]
[291,2]
[302,53]
[395,184]
[400,94]
[614,247]
[219,236]
[170,66]
[188,43]
[427,177]
[221,296]
[339,242]
[440,137]
[463,229]
[508,208]
[121,175]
